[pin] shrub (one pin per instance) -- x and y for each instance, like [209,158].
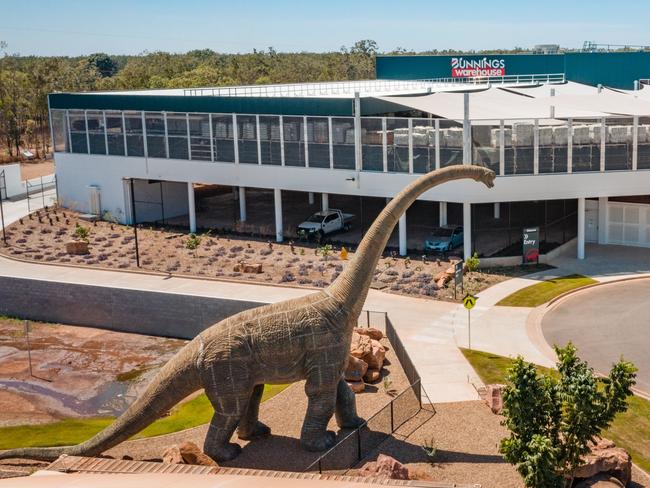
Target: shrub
[473,262]
[325,251]
[193,242]
[81,232]
[287,277]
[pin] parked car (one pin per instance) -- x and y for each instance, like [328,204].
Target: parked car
[444,239]
[325,222]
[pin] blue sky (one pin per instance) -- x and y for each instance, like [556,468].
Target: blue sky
[76,27]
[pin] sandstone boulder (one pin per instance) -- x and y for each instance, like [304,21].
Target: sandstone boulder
[371,332]
[375,357]
[76,248]
[172,455]
[385,467]
[255,268]
[600,481]
[494,397]
[356,369]
[606,458]
[187,453]
[357,386]
[360,346]
[372,376]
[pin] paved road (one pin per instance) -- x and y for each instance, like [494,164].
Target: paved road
[605,322]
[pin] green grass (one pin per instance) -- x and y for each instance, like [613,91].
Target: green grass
[630,430]
[67,432]
[535,295]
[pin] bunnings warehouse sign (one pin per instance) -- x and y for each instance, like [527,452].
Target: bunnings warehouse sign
[468,68]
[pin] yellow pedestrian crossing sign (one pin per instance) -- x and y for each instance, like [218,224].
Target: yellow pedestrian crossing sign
[469,301]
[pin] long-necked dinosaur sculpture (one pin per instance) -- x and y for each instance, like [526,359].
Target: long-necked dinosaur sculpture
[301,339]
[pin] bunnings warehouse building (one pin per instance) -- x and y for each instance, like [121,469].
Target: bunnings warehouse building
[568,136]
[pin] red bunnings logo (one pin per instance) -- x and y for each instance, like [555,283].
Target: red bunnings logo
[468,68]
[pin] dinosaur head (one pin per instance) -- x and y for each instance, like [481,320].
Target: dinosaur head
[486,176]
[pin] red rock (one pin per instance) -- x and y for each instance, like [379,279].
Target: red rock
[192,454]
[494,397]
[385,467]
[76,247]
[356,369]
[372,376]
[255,268]
[360,346]
[357,386]
[172,455]
[375,357]
[605,457]
[371,332]
[600,481]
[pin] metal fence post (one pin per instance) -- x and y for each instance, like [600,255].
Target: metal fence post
[42,192]
[135,226]
[2,213]
[392,422]
[359,443]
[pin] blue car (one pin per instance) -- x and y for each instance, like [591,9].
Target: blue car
[444,239]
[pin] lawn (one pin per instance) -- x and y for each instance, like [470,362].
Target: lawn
[630,430]
[535,295]
[67,432]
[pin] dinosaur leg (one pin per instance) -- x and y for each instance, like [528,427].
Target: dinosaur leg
[346,407]
[228,410]
[250,427]
[321,397]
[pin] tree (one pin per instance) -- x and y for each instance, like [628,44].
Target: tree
[552,420]
[103,63]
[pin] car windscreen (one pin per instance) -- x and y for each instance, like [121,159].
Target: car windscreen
[441,232]
[315,218]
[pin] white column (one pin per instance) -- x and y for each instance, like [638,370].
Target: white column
[497,210]
[402,235]
[325,201]
[581,228]
[191,206]
[443,213]
[467,229]
[603,219]
[311,198]
[467,128]
[277,196]
[242,203]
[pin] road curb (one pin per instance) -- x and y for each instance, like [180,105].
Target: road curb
[566,294]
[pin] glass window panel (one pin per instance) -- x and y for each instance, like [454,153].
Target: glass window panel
[372,146]
[586,145]
[318,142]
[134,139]
[643,158]
[294,141]
[519,150]
[59,131]
[155,125]
[200,137]
[95,121]
[177,136]
[78,131]
[224,144]
[486,137]
[270,140]
[397,145]
[451,143]
[114,133]
[343,142]
[553,148]
[247,139]
[424,145]
[619,144]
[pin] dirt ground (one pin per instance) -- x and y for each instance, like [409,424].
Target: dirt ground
[36,168]
[42,237]
[77,371]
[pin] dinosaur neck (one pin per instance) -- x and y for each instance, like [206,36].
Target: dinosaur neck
[351,287]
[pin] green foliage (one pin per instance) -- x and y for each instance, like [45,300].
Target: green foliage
[473,262]
[535,295]
[103,63]
[325,250]
[193,242]
[430,449]
[81,232]
[552,419]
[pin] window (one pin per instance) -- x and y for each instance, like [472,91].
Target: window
[247,139]
[343,143]
[59,131]
[115,133]
[224,144]
[133,129]
[96,136]
[155,124]
[294,141]
[372,144]
[270,140]
[318,142]
[200,137]
[78,131]
[177,136]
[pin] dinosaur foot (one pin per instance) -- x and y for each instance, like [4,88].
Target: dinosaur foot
[224,452]
[351,423]
[319,442]
[257,431]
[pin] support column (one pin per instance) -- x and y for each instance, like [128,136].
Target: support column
[325,201]
[467,230]
[443,214]
[497,210]
[191,206]
[603,219]
[402,235]
[581,228]
[311,198]
[242,204]
[277,197]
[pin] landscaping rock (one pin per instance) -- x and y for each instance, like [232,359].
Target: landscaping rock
[356,369]
[600,481]
[360,346]
[357,386]
[76,248]
[255,268]
[372,376]
[192,454]
[172,455]
[605,457]
[371,332]
[375,357]
[385,467]
[494,397]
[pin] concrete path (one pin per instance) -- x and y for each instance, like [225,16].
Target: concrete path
[15,209]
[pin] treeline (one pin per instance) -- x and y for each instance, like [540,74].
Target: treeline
[25,81]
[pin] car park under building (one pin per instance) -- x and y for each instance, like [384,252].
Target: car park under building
[568,136]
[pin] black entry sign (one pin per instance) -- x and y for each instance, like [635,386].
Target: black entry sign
[530,239]
[458,273]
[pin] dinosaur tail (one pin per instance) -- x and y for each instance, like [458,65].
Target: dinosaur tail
[177,379]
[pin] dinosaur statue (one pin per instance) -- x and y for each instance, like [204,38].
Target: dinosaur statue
[307,338]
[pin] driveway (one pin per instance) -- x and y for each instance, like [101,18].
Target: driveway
[604,323]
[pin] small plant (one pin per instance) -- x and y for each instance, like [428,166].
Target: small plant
[81,232]
[324,251]
[424,259]
[292,247]
[388,386]
[430,449]
[193,242]
[302,251]
[407,262]
[473,262]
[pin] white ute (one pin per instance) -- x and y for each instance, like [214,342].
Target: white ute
[325,222]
